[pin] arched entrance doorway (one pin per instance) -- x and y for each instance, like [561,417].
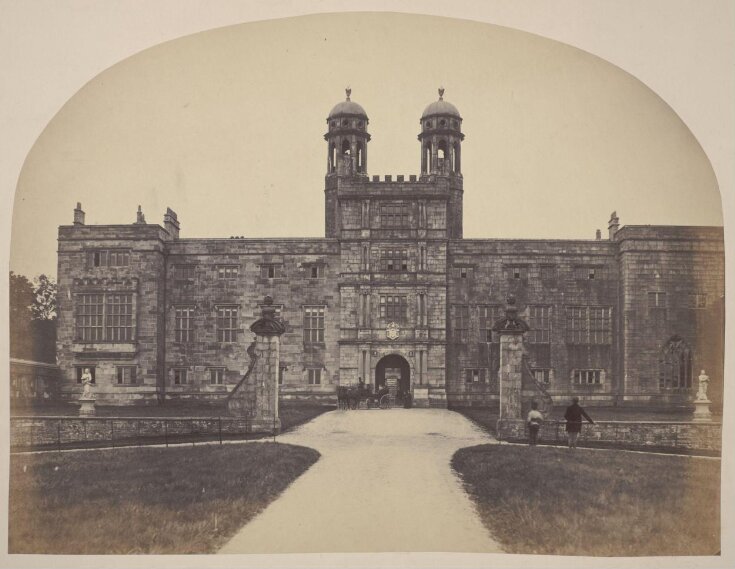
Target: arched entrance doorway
[395,371]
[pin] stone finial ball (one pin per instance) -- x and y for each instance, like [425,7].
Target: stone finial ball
[268,300]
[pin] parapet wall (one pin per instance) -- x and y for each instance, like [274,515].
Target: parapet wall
[639,434]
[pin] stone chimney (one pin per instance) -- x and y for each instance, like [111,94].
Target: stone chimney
[613,225]
[171,223]
[140,218]
[78,215]
[598,235]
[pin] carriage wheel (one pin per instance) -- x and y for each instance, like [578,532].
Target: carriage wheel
[385,402]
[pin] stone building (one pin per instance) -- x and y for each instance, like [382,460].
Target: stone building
[393,287]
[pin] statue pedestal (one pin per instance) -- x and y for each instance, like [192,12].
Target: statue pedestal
[87,408]
[702,414]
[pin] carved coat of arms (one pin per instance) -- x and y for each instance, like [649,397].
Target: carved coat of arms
[392,331]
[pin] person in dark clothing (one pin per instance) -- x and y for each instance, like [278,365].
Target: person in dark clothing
[573,416]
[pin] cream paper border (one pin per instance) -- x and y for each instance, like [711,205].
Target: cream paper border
[706,106]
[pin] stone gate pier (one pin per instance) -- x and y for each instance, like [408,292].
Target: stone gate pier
[256,395]
[510,329]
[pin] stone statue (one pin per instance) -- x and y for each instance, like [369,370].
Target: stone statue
[87,382]
[703,384]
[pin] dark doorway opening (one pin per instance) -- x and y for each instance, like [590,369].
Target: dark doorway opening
[396,371]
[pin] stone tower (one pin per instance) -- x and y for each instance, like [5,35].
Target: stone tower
[347,138]
[441,139]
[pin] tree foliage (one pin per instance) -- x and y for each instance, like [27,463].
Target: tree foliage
[33,318]
[44,302]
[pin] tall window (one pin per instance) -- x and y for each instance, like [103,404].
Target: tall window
[119,318]
[393,308]
[314,376]
[489,315]
[313,324]
[104,317]
[108,258]
[394,215]
[539,322]
[675,371]
[90,317]
[227,323]
[394,260]
[460,323]
[184,324]
[227,272]
[589,325]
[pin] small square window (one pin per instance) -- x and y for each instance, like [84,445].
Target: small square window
[314,376]
[587,377]
[657,300]
[126,375]
[92,371]
[315,272]
[270,271]
[217,376]
[180,376]
[543,376]
[227,272]
[697,300]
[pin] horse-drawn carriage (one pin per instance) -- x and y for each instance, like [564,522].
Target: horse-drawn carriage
[350,397]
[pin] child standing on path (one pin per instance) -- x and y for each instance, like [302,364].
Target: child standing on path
[535,418]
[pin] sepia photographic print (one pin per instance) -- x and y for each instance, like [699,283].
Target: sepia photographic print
[370,288]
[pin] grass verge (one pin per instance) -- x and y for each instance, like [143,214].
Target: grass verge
[145,500]
[558,501]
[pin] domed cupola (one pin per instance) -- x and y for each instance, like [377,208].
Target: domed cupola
[441,138]
[347,138]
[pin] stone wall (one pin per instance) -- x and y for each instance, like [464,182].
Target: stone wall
[292,288]
[143,278]
[553,274]
[672,285]
[648,434]
[65,432]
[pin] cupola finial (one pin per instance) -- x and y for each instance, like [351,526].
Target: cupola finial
[348,91]
[441,93]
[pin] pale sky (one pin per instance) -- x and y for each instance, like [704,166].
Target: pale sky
[226,128]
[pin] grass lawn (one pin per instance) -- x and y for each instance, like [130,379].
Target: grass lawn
[546,500]
[295,414]
[145,500]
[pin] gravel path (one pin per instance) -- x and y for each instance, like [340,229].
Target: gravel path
[383,484]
